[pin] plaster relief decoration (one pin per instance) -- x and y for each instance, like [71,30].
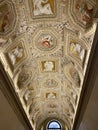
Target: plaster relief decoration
[15,55]
[83,12]
[54,113]
[34,106]
[70,91]
[73,94]
[3,42]
[43,8]
[68,107]
[77,51]
[24,78]
[51,95]
[52,105]
[7,17]
[72,74]
[50,83]
[28,95]
[48,66]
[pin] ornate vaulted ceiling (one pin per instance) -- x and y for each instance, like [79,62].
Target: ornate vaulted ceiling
[45,47]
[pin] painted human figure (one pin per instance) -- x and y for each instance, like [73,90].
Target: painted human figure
[77,50]
[74,75]
[47,41]
[51,95]
[68,105]
[27,95]
[3,42]
[15,54]
[85,11]
[42,7]
[4,21]
[48,66]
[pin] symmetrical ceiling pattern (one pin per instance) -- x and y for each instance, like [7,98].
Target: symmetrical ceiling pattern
[45,47]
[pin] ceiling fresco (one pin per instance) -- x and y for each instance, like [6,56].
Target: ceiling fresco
[45,47]
[7,17]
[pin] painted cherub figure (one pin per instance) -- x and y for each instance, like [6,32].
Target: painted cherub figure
[77,50]
[48,66]
[16,54]
[85,11]
[42,7]
[47,41]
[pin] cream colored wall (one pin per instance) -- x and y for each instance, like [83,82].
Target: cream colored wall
[90,118]
[8,118]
